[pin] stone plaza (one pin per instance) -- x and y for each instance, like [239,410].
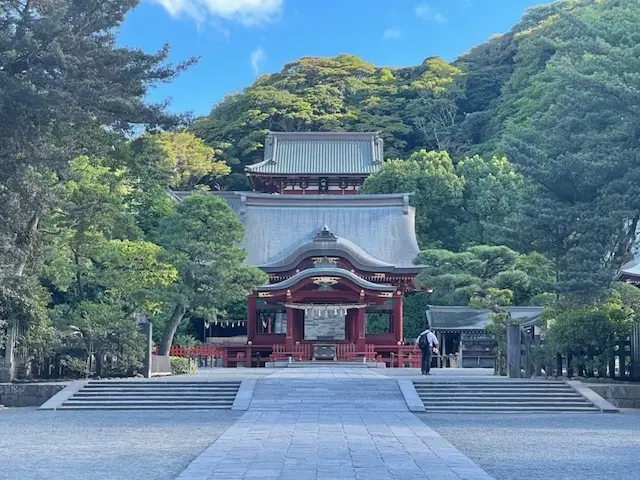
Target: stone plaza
[315,423]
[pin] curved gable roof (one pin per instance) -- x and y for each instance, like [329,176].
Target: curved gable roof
[327,272]
[325,246]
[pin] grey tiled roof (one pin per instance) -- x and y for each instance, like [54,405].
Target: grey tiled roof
[465,318]
[320,153]
[381,226]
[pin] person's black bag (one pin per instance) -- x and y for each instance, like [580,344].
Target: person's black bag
[423,341]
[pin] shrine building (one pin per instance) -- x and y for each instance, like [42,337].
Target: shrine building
[338,263]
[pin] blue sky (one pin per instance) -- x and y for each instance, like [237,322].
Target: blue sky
[238,40]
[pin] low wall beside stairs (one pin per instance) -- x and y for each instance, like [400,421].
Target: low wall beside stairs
[28,394]
[619,394]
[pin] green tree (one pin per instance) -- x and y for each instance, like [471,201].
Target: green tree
[67,89]
[200,239]
[188,159]
[482,272]
[437,194]
[434,111]
[589,334]
[574,137]
[492,195]
[96,252]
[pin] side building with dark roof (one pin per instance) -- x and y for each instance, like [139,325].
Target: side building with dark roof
[463,337]
[338,263]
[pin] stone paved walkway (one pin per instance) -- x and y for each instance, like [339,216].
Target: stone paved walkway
[328,389]
[330,424]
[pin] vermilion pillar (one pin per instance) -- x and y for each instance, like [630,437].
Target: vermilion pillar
[289,339]
[252,317]
[397,317]
[360,326]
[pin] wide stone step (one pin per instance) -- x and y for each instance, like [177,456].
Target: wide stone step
[500,403]
[461,398]
[160,390]
[149,395]
[109,393]
[141,402]
[141,384]
[356,364]
[494,384]
[144,407]
[479,391]
[504,410]
[174,398]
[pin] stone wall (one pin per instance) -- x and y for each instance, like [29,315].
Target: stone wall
[28,394]
[619,395]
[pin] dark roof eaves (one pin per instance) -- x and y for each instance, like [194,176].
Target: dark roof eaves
[316,272]
[326,135]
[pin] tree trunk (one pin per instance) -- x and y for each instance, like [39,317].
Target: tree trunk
[27,244]
[170,329]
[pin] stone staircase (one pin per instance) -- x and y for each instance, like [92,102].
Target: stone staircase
[332,364]
[501,396]
[152,395]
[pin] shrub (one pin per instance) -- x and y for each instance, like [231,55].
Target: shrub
[182,366]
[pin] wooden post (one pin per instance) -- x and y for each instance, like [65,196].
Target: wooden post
[443,350]
[558,365]
[252,317]
[397,317]
[361,342]
[513,351]
[569,366]
[527,355]
[634,374]
[538,363]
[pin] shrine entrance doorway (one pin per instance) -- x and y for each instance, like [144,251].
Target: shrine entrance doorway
[328,322]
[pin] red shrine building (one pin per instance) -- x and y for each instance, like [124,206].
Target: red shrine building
[338,263]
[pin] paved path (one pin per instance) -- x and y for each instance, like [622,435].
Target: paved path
[330,424]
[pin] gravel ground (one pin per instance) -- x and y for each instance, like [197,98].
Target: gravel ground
[549,447]
[104,445]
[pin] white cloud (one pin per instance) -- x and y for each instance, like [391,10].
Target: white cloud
[256,58]
[425,12]
[247,12]
[390,33]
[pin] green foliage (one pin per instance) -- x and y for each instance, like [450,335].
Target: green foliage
[498,328]
[377,323]
[182,366]
[188,159]
[185,341]
[414,310]
[437,193]
[67,90]
[573,134]
[413,107]
[630,298]
[101,331]
[200,240]
[486,275]
[456,206]
[492,194]
[589,334]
